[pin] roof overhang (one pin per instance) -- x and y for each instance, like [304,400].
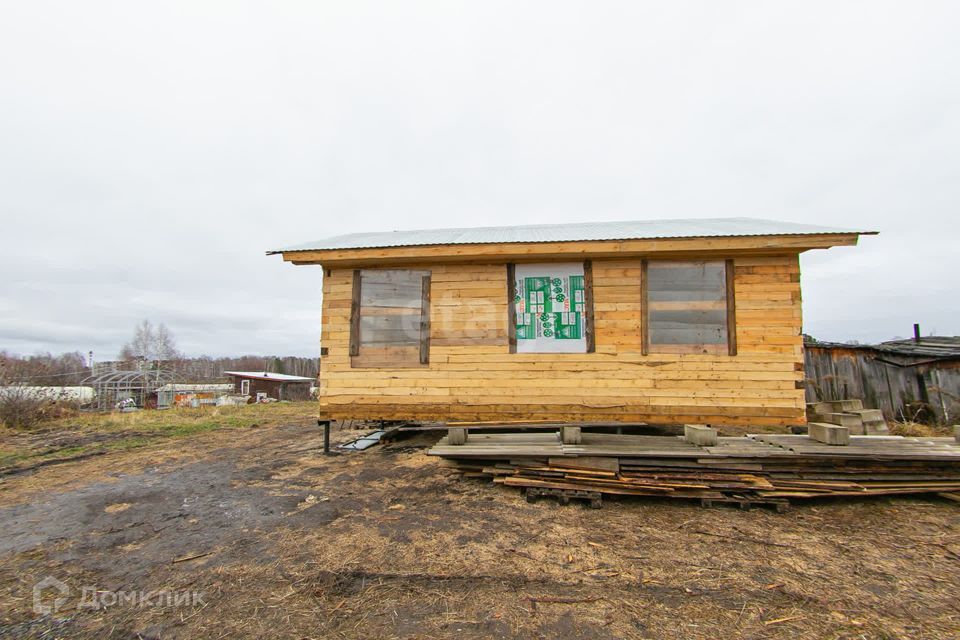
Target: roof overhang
[271,377]
[704,246]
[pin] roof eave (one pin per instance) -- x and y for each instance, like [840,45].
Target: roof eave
[528,251]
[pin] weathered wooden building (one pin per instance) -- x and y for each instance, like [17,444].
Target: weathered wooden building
[916,379]
[656,321]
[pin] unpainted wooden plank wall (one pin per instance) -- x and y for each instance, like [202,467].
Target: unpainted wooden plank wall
[471,374]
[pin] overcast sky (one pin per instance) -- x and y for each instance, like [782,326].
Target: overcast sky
[151,152]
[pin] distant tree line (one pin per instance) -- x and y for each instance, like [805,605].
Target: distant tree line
[206,368]
[70,369]
[43,369]
[150,347]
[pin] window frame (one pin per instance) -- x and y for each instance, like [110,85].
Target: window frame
[588,311]
[731,312]
[360,360]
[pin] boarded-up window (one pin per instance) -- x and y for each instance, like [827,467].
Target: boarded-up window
[390,323]
[688,307]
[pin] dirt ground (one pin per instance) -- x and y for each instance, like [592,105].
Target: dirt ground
[271,539]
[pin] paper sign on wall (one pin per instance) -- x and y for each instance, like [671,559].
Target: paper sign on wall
[549,301]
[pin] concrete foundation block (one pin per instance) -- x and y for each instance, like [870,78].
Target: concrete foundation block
[570,435]
[868,415]
[457,435]
[846,405]
[849,420]
[816,408]
[876,428]
[700,435]
[828,433]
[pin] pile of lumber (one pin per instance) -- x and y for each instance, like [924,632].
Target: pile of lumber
[756,468]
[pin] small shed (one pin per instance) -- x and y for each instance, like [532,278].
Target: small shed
[264,384]
[912,379]
[662,321]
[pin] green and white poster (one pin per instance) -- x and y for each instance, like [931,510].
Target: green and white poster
[550,308]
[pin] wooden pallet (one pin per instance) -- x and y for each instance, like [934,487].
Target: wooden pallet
[564,496]
[780,505]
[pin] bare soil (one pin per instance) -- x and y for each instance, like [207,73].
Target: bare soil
[282,542]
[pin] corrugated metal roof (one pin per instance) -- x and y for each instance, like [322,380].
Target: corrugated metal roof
[933,347]
[928,346]
[629,230]
[266,375]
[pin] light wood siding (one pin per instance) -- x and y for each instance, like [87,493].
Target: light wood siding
[473,376]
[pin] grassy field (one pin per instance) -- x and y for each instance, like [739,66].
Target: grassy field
[85,434]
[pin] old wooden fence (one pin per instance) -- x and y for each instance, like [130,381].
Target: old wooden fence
[904,387]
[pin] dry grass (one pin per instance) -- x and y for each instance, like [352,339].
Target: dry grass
[918,430]
[388,544]
[81,435]
[187,417]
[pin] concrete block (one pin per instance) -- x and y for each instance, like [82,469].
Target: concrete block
[700,435]
[457,435]
[846,405]
[875,428]
[570,435]
[828,433]
[868,415]
[849,420]
[819,408]
[956,432]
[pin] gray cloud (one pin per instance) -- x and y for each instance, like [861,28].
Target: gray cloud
[149,154]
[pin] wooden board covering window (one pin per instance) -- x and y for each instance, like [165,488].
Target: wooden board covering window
[390,318]
[686,307]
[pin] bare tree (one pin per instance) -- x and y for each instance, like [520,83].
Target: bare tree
[164,344]
[47,369]
[150,344]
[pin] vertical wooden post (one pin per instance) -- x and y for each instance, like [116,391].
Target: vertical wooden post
[355,314]
[425,321]
[731,310]
[512,307]
[588,324]
[644,311]
[326,435]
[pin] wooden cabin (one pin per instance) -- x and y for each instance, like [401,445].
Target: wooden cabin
[681,321]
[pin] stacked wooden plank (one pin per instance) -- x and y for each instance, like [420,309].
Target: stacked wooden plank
[758,468]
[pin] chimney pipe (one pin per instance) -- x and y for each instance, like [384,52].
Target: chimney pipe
[916,332]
